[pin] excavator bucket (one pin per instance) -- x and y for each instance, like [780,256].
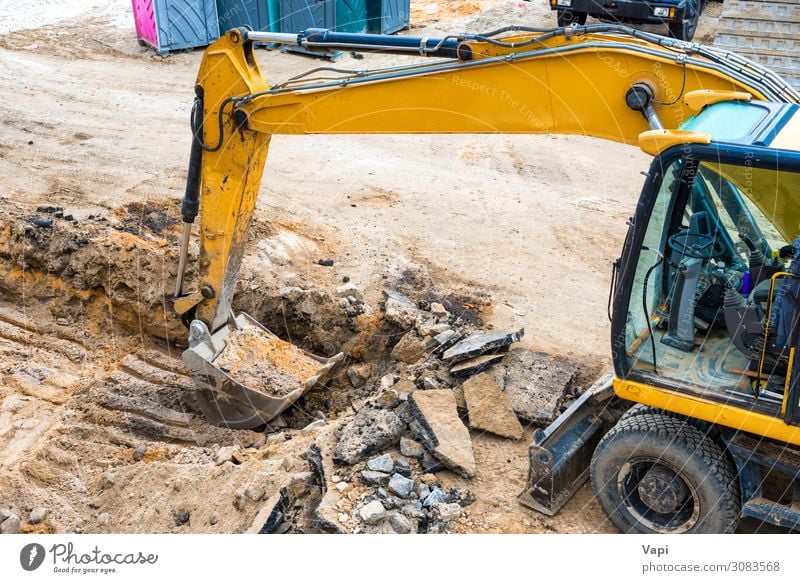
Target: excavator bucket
[560,454]
[246,376]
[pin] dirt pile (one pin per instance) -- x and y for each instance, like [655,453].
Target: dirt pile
[265,363]
[119,268]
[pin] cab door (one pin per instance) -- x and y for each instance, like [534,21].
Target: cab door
[791,402]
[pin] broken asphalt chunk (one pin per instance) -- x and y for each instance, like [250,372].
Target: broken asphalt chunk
[269,517]
[475,365]
[489,409]
[370,431]
[481,343]
[400,310]
[430,465]
[436,424]
[536,384]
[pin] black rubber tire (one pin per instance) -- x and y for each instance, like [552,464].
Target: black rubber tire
[706,428]
[685,29]
[699,460]
[568,18]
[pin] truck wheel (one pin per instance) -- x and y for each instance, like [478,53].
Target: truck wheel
[685,29]
[657,474]
[568,18]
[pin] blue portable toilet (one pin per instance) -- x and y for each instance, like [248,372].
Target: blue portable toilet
[257,14]
[351,16]
[388,16]
[176,24]
[339,15]
[299,15]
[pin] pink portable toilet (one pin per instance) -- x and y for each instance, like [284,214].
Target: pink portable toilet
[145,18]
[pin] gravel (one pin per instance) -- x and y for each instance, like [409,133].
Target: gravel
[373,512]
[411,448]
[225,454]
[435,498]
[402,468]
[255,493]
[382,463]
[138,454]
[413,510]
[401,485]
[371,478]
[38,515]
[181,516]
[399,523]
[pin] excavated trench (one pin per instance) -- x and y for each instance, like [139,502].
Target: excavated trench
[98,417]
[92,382]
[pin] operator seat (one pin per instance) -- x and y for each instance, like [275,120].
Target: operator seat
[745,317]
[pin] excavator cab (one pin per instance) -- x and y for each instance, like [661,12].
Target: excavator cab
[704,331]
[701,297]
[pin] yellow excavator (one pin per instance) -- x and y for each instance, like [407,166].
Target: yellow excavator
[701,422]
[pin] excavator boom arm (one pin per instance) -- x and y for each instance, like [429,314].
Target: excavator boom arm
[531,82]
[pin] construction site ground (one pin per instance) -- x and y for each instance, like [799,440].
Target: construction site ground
[97,420]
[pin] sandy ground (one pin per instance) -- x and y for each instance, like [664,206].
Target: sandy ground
[93,122]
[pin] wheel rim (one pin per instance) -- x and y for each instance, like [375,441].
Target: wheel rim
[656,494]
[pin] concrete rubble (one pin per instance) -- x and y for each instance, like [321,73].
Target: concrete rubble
[269,517]
[37,515]
[481,343]
[436,424]
[411,347]
[400,310]
[489,408]
[411,448]
[536,384]
[10,525]
[226,454]
[448,511]
[373,512]
[358,375]
[475,365]
[370,431]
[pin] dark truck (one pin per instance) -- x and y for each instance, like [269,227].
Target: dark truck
[681,16]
